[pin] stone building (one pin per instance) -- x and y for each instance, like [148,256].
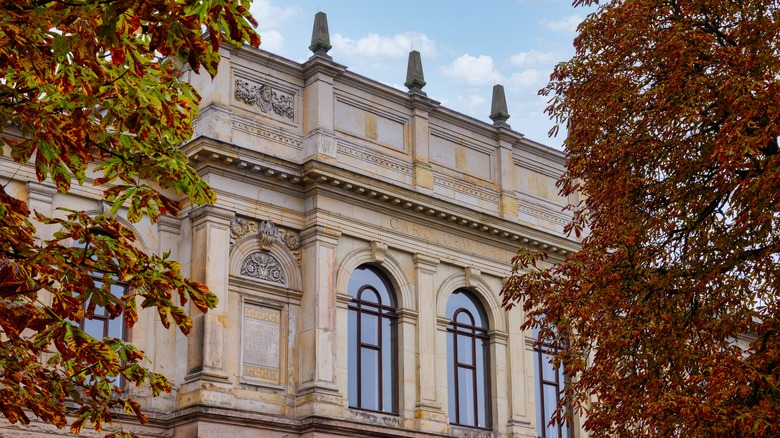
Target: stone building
[358,246]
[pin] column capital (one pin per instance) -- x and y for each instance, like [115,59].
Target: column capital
[322,233]
[211,213]
[43,192]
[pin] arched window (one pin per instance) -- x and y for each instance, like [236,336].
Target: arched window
[372,342]
[467,361]
[548,392]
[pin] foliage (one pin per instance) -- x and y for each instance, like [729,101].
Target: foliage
[90,92]
[668,318]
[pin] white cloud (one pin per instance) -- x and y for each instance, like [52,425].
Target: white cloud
[395,46]
[567,24]
[271,17]
[529,79]
[475,71]
[271,40]
[533,58]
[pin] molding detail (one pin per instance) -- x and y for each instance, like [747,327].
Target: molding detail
[374,158]
[263,266]
[265,98]
[457,185]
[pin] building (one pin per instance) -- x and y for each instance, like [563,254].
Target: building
[358,246]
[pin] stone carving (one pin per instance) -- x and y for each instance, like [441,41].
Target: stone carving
[267,233]
[240,227]
[263,266]
[266,98]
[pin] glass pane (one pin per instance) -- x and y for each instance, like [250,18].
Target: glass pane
[369,379]
[352,354]
[451,376]
[94,328]
[115,328]
[538,396]
[118,290]
[364,275]
[100,311]
[369,295]
[547,368]
[465,346]
[369,329]
[463,299]
[464,318]
[550,404]
[388,365]
[483,384]
[466,397]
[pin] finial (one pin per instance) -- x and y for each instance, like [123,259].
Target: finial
[414,74]
[320,38]
[498,111]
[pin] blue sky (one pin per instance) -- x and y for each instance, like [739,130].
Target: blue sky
[466,47]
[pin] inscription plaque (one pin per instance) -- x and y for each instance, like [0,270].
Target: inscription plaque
[260,343]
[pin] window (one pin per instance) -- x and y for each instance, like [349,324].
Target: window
[100,325]
[372,342]
[467,361]
[548,389]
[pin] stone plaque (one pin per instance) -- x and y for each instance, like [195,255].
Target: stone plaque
[260,343]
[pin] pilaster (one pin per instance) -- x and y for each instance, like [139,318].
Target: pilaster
[210,257]
[428,409]
[421,107]
[319,142]
[508,200]
[318,393]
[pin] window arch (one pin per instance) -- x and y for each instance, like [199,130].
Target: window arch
[467,361]
[372,342]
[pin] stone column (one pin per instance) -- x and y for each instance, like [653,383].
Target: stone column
[210,257]
[318,394]
[428,408]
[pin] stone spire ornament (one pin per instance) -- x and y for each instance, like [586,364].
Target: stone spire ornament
[320,38]
[414,74]
[498,110]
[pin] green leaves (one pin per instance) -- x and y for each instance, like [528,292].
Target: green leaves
[90,92]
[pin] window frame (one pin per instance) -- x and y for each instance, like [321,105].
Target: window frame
[477,336]
[357,307]
[563,431]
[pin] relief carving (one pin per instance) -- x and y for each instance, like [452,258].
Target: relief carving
[266,98]
[267,233]
[263,266]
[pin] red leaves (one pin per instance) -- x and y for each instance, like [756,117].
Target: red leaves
[673,114]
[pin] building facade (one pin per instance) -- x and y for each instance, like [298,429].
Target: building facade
[358,246]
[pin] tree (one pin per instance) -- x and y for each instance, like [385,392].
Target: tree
[90,92]
[667,320]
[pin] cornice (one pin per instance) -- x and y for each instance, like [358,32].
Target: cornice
[318,175]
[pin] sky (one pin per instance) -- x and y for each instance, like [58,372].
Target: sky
[466,47]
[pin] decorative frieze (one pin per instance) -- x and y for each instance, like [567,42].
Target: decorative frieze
[265,98]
